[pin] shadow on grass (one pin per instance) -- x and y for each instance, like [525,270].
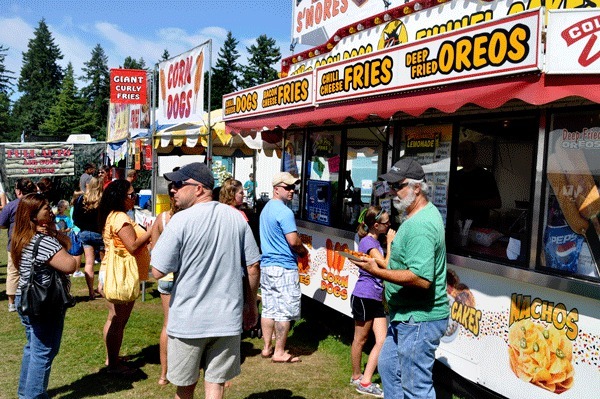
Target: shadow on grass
[97,384]
[274,394]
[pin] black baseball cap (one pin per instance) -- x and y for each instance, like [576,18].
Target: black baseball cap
[197,171]
[406,168]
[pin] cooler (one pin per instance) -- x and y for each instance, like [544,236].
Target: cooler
[144,197]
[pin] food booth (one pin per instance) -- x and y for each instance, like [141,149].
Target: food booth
[503,88]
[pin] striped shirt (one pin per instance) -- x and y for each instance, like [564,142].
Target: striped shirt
[48,247]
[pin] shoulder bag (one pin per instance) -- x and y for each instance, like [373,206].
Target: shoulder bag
[40,300]
[122,280]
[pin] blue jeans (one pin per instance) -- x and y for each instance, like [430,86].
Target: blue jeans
[43,341]
[406,359]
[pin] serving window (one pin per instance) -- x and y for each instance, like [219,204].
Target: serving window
[490,190]
[571,243]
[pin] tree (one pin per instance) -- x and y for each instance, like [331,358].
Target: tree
[6,77]
[131,63]
[97,93]
[262,56]
[224,74]
[67,115]
[6,125]
[40,80]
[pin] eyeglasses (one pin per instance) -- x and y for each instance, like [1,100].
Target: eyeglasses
[179,184]
[385,223]
[288,187]
[398,187]
[132,195]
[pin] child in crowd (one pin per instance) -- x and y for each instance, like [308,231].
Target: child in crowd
[64,224]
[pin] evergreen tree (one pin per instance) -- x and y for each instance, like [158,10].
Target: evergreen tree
[67,116]
[224,74]
[6,77]
[131,63]
[259,70]
[97,93]
[6,125]
[40,80]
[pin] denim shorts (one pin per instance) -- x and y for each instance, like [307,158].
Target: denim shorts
[92,239]
[165,287]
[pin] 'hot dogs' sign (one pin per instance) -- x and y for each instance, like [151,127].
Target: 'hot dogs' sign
[181,90]
[504,46]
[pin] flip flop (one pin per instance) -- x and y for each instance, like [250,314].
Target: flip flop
[291,359]
[267,356]
[163,381]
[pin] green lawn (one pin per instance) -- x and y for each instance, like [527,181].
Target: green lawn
[322,338]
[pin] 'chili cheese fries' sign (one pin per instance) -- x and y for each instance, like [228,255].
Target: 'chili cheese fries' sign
[280,95]
[501,47]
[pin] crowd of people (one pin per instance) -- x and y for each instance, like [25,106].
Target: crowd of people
[209,269]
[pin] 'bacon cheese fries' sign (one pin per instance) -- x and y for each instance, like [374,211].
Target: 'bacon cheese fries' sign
[280,95]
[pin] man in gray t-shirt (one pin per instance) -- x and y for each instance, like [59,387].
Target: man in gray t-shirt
[210,248]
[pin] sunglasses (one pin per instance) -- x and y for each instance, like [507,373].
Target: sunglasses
[132,195]
[400,186]
[179,184]
[289,187]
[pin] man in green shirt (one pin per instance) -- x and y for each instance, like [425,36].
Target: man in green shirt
[415,287]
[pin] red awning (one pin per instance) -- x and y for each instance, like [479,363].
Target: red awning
[489,94]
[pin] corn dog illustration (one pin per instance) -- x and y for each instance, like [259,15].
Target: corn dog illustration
[163,90]
[330,253]
[559,183]
[336,256]
[198,78]
[341,259]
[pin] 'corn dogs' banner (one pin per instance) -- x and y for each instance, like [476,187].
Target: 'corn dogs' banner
[37,159]
[504,46]
[181,88]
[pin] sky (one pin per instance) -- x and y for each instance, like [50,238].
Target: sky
[141,28]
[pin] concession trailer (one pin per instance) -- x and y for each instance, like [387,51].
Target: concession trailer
[500,103]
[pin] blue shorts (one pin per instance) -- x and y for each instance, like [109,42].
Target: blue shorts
[165,287]
[92,239]
[280,293]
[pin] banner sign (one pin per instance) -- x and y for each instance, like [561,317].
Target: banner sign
[279,95]
[181,88]
[521,340]
[37,159]
[398,28]
[572,45]
[139,119]
[118,122]
[128,86]
[501,47]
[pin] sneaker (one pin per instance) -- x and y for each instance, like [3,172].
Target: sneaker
[12,307]
[356,382]
[372,389]
[78,273]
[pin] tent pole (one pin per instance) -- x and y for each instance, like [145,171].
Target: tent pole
[210,139]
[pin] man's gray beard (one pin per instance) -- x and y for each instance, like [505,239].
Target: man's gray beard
[402,204]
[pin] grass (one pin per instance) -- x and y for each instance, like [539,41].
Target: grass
[322,338]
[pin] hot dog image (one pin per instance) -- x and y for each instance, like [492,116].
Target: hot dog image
[198,77]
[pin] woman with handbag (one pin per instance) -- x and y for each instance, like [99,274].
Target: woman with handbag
[125,242]
[38,249]
[85,217]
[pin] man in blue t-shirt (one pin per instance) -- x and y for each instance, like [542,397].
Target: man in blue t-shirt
[280,286]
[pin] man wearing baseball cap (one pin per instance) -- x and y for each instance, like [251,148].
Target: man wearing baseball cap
[280,287]
[211,249]
[416,287]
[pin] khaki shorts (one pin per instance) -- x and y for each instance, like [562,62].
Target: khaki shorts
[219,357]
[12,277]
